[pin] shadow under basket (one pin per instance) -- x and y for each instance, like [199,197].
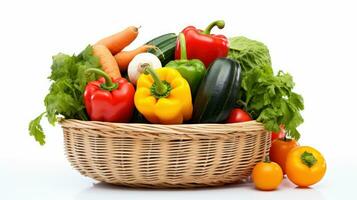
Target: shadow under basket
[165,156]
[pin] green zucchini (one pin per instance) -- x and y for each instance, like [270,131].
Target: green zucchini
[167,45]
[218,92]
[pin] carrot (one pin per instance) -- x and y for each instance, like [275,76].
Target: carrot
[117,42]
[107,60]
[123,58]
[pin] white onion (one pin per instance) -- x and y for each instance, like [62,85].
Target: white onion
[135,69]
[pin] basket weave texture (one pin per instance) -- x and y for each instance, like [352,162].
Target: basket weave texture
[163,156]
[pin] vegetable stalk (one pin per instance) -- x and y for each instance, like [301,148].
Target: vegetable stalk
[160,88]
[308,159]
[219,23]
[183,46]
[267,159]
[108,85]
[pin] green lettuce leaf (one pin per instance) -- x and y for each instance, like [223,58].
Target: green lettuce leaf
[268,97]
[35,129]
[249,53]
[65,97]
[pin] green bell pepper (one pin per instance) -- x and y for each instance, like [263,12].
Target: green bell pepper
[192,70]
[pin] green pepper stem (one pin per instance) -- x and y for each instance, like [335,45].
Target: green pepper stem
[160,87]
[108,85]
[183,49]
[308,159]
[219,23]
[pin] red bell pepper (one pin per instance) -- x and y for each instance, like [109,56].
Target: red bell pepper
[202,45]
[109,100]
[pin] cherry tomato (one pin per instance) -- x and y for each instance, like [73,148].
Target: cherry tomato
[278,135]
[280,149]
[305,166]
[238,115]
[267,175]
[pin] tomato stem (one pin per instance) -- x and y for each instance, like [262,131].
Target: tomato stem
[285,139]
[244,104]
[308,159]
[267,159]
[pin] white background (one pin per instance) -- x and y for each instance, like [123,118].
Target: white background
[316,41]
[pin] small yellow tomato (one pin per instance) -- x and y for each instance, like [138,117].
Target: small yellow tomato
[305,166]
[267,175]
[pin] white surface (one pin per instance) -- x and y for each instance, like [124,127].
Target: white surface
[57,181]
[313,40]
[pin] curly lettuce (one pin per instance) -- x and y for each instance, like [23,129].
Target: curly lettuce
[268,97]
[65,97]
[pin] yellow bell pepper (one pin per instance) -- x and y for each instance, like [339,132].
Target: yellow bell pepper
[163,96]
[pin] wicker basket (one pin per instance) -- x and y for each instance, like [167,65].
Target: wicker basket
[162,156]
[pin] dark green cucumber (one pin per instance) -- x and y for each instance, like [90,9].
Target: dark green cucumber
[167,45]
[218,92]
[158,40]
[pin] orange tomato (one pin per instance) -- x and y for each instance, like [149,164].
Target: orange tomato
[267,175]
[305,166]
[279,151]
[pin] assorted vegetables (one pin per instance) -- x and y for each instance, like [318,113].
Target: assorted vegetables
[166,44]
[304,166]
[123,58]
[196,77]
[192,70]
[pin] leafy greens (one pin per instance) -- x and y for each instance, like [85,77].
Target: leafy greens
[65,97]
[267,97]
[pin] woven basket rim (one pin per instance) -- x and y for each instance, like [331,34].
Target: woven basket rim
[68,122]
[180,131]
